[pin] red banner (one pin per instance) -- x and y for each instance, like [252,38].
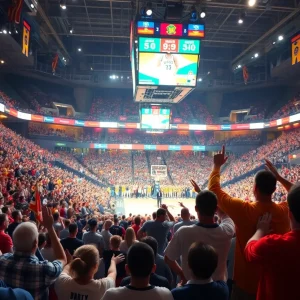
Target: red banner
[162,147]
[183,126]
[240,126]
[177,120]
[37,118]
[137,147]
[64,121]
[13,112]
[213,127]
[122,118]
[171,29]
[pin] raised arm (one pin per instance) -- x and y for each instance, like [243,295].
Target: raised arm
[286,184]
[58,250]
[170,216]
[112,271]
[230,205]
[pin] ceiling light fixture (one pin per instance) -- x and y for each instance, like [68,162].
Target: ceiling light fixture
[251,3]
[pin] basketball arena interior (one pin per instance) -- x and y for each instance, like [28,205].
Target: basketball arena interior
[109,108]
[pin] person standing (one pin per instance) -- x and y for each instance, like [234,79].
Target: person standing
[206,231]
[17,216]
[159,198]
[6,244]
[185,216]
[140,265]
[277,255]
[71,243]
[92,237]
[203,261]
[159,228]
[245,216]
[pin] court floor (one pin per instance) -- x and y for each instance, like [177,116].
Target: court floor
[148,205]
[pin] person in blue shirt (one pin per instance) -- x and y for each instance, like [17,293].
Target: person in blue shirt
[203,261]
[7,293]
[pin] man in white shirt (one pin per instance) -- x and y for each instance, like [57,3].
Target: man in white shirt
[206,231]
[140,265]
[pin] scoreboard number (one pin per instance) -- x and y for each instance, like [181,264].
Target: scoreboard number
[150,46]
[189,47]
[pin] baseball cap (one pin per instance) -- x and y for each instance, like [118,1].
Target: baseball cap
[92,222]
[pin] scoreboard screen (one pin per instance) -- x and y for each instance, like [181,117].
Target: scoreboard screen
[167,69]
[155,118]
[169,45]
[170,29]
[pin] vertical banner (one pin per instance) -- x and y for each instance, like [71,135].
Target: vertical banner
[245,74]
[296,49]
[54,63]
[26,37]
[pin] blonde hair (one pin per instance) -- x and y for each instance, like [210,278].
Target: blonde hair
[130,236]
[86,258]
[107,224]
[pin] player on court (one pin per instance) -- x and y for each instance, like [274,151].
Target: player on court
[168,66]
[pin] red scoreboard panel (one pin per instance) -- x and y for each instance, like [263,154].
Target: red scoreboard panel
[148,28]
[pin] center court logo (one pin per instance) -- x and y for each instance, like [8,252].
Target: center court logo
[171,29]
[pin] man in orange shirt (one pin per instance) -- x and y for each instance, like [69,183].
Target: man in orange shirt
[245,216]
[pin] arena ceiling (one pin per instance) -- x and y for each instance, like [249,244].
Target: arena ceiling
[101,27]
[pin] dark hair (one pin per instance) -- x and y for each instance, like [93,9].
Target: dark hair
[2,219]
[15,214]
[5,209]
[154,215]
[72,228]
[137,220]
[206,203]
[202,260]
[140,260]
[152,242]
[161,212]
[116,220]
[67,222]
[42,239]
[56,216]
[293,200]
[265,182]
[123,217]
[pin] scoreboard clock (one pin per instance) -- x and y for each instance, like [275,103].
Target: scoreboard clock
[170,29]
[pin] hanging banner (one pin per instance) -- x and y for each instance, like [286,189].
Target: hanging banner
[26,37]
[245,74]
[295,49]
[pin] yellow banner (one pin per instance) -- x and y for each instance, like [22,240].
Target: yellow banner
[296,50]
[26,36]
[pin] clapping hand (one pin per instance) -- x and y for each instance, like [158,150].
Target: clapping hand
[195,186]
[220,158]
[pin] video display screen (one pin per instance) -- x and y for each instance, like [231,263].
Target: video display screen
[168,69]
[155,118]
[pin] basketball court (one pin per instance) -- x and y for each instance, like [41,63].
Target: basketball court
[148,205]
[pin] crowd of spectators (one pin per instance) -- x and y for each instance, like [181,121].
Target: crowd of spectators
[108,109]
[141,172]
[112,167]
[75,249]
[248,139]
[276,150]
[201,113]
[37,129]
[291,108]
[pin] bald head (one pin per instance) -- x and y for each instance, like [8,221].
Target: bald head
[30,242]
[185,214]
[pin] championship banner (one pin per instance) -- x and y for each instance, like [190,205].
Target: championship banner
[295,49]
[26,37]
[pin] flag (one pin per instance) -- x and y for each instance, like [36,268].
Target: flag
[245,74]
[35,205]
[54,63]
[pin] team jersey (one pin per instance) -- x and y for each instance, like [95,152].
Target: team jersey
[168,70]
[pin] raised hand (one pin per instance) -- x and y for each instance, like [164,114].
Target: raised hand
[47,217]
[195,186]
[270,167]
[220,158]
